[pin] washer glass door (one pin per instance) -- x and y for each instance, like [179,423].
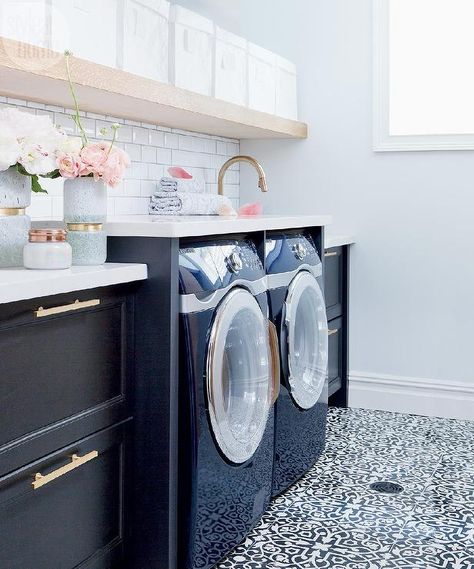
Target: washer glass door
[307,337]
[239,375]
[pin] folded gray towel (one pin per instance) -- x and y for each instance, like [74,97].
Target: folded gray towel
[190,185]
[183,203]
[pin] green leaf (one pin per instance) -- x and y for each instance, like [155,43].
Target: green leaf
[36,186]
[21,170]
[52,175]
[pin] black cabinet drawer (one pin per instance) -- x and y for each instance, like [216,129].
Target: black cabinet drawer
[73,520]
[335,354]
[334,281]
[63,376]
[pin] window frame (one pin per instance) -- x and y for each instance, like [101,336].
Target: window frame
[383,141]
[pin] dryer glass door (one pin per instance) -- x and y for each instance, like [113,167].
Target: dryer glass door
[239,379]
[307,336]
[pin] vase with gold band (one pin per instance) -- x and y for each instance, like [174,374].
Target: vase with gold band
[15,196]
[88,242]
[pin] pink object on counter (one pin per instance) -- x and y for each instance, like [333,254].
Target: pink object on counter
[255,208]
[180,173]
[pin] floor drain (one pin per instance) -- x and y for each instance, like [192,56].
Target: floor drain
[387,487]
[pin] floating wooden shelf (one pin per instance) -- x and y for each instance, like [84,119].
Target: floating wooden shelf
[39,74]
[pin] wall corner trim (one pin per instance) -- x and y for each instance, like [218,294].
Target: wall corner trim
[420,396]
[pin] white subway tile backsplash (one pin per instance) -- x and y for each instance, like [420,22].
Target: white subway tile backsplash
[137,171]
[57,206]
[221,147]
[124,133]
[152,150]
[140,135]
[132,188]
[171,140]
[163,156]
[155,172]
[148,153]
[41,206]
[134,151]
[198,159]
[148,187]
[156,138]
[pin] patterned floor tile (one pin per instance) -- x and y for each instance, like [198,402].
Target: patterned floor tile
[330,518]
[306,546]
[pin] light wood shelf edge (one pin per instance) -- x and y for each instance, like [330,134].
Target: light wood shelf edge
[38,74]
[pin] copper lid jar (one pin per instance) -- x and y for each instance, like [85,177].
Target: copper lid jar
[47,249]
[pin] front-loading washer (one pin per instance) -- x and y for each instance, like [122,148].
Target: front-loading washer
[229,377]
[297,309]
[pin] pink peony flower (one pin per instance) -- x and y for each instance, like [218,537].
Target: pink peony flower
[94,156]
[69,165]
[113,170]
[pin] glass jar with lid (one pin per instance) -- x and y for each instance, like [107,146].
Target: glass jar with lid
[47,249]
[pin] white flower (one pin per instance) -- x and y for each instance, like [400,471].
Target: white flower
[70,145]
[25,125]
[39,156]
[31,140]
[9,149]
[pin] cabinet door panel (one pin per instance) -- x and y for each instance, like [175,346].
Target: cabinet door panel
[58,366]
[73,519]
[333,281]
[335,355]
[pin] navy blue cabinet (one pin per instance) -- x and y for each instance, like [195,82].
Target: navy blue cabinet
[64,430]
[336,288]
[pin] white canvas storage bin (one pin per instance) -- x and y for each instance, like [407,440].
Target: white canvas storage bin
[231,67]
[262,79]
[286,89]
[88,28]
[191,50]
[145,38]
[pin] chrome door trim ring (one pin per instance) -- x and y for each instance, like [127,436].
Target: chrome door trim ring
[280,280]
[190,303]
[218,334]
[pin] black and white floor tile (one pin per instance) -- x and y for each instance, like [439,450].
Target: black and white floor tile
[332,519]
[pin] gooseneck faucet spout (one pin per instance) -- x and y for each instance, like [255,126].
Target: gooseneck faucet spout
[262,180]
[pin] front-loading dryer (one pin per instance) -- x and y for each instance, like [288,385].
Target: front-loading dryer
[298,311]
[229,378]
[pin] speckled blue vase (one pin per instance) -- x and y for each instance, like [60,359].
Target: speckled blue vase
[88,242]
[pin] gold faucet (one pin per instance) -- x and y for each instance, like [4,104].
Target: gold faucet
[262,181]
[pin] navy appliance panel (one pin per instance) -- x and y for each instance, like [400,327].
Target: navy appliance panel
[281,252]
[300,438]
[205,267]
[219,502]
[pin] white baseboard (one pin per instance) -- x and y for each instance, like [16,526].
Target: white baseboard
[419,396]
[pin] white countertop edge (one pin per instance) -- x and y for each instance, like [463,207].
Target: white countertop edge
[338,240]
[196,226]
[22,284]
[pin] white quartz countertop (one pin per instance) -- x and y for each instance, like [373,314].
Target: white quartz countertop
[334,240]
[192,226]
[21,284]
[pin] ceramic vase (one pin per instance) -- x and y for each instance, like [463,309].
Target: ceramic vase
[85,201]
[15,196]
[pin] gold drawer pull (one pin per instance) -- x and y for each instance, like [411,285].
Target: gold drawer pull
[76,461]
[77,305]
[331,254]
[332,332]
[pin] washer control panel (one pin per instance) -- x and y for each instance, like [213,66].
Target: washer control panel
[288,251]
[234,262]
[208,266]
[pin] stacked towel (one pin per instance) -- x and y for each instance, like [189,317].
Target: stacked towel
[181,185]
[182,203]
